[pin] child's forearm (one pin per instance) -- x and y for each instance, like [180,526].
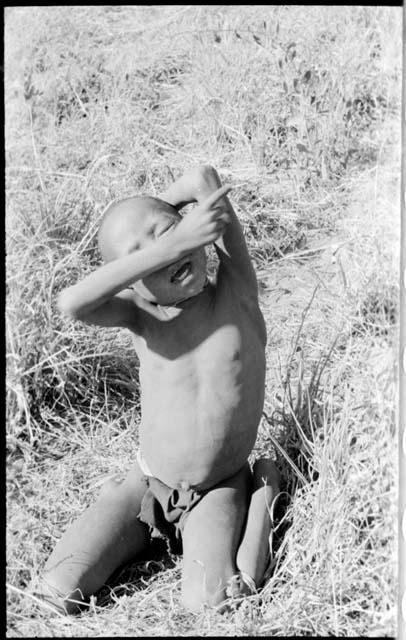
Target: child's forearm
[178,194]
[108,280]
[193,186]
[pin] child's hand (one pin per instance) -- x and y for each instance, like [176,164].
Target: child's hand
[205,223]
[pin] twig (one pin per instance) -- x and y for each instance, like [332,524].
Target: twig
[64,174]
[283,452]
[64,362]
[34,147]
[42,603]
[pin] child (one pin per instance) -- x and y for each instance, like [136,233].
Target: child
[201,348]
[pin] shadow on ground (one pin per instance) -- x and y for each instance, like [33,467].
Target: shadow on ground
[137,576]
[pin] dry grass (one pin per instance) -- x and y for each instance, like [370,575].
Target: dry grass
[299,107]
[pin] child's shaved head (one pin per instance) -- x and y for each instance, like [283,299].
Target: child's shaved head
[127,216]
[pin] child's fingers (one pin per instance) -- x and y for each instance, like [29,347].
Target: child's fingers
[225,217]
[216,213]
[220,225]
[216,195]
[220,229]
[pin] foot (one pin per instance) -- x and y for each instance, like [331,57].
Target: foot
[241,585]
[55,599]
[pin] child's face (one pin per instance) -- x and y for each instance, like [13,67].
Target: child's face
[178,281]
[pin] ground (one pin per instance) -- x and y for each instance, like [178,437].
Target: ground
[299,109]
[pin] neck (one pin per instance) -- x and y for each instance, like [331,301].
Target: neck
[175,308]
[180,302]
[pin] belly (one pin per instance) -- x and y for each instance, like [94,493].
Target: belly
[200,412]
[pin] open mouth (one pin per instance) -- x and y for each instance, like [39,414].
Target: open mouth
[182,273]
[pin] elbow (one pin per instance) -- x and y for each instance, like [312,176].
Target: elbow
[206,177]
[206,171]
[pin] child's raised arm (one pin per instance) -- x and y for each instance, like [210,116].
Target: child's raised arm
[101,299]
[196,185]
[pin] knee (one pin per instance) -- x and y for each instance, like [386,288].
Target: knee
[207,591]
[132,487]
[110,488]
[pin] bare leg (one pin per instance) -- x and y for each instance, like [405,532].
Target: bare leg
[253,553]
[105,536]
[210,541]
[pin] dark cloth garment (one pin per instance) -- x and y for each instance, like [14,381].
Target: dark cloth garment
[165,510]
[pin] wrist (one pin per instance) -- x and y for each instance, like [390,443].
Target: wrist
[173,246]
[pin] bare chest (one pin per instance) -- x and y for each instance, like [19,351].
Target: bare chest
[212,376]
[215,344]
[202,394]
